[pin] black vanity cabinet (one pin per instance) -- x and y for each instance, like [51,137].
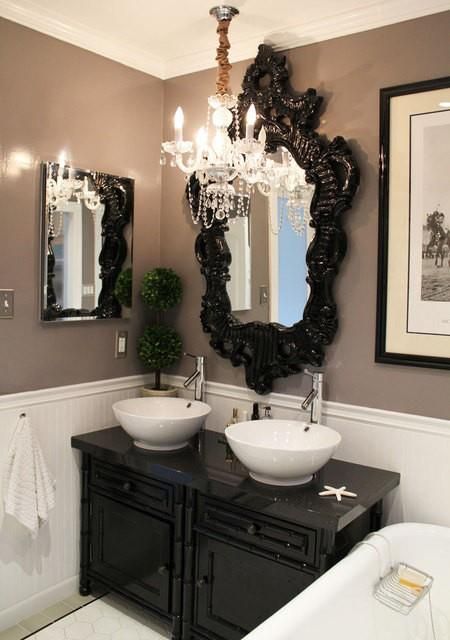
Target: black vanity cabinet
[246,568]
[119,534]
[189,536]
[132,536]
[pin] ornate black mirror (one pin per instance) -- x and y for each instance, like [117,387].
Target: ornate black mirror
[86,243]
[282,342]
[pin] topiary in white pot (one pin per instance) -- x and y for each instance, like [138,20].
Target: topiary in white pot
[160,345]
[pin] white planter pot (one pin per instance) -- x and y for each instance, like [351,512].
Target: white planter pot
[165,392]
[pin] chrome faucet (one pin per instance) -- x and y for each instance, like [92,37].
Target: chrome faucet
[198,376]
[314,397]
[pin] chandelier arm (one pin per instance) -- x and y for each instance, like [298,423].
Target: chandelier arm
[224,66]
[184,167]
[233,176]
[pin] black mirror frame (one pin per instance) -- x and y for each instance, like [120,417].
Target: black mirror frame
[117,195]
[270,350]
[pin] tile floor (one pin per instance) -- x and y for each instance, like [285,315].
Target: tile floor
[107,618]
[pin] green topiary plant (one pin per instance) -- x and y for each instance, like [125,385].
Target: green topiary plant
[161,289]
[160,346]
[123,288]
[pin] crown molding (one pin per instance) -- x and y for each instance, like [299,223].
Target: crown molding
[30,15]
[343,23]
[375,15]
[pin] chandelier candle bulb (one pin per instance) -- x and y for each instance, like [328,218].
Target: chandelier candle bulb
[201,139]
[178,122]
[250,122]
[262,138]
[61,164]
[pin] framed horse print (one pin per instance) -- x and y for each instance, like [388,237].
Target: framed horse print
[413,305]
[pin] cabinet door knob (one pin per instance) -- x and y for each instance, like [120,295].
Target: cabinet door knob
[126,486]
[252,529]
[201,583]
[163,569]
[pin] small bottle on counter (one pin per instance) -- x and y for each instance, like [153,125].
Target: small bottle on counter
[234,417]
[267,413]
[255,412]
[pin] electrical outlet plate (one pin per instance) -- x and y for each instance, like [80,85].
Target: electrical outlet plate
[7,303]
[121,344]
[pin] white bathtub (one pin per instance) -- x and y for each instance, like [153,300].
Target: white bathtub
[340,605]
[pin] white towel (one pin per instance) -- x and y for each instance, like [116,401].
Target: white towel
[29,488]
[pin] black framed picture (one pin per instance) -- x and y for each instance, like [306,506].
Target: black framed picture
[413,306]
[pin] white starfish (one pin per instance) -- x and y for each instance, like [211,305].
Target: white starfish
[332,491]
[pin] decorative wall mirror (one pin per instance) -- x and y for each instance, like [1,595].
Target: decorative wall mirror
[86,243]
[278,317]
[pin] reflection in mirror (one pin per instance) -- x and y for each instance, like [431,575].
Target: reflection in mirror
[240,283]
[268,248]
[86,243]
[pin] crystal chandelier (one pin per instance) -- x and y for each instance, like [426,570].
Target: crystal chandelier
[61,188]
[285,180]
[228,167]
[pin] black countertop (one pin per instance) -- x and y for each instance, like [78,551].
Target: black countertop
[208,469]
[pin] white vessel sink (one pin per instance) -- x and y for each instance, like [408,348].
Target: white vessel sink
[161,424]
[282,452]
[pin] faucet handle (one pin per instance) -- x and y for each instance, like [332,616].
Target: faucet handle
[199,360]
[318,375]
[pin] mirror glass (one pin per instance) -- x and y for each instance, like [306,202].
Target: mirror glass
[86,244]
[268,248]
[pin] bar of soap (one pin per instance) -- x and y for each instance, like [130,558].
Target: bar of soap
[411,578]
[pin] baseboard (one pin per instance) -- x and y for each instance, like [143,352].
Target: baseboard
[38,602]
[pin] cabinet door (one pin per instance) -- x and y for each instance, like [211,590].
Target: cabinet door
[131,550]
[236,589]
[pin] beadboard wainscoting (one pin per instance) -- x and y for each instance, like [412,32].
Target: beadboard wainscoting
[36,574]
[417,447]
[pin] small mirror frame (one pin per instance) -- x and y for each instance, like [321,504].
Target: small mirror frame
[270,350]
[117,195]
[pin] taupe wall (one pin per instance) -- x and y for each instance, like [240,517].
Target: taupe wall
[107,117]
[348,72]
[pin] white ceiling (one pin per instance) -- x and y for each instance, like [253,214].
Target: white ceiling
[172,37]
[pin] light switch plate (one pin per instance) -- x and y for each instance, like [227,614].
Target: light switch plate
[121,344]
[6,303]
[263,294]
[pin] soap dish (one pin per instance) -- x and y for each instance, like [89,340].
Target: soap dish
[403,587]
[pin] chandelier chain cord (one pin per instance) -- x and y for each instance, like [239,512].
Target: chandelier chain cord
[224,66]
